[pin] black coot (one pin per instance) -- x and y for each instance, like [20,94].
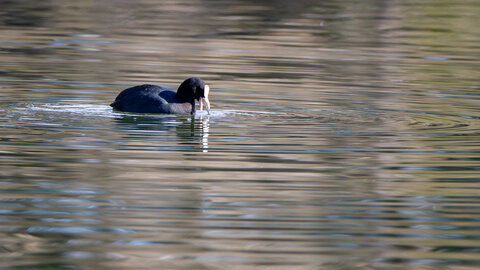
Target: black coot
[149,98]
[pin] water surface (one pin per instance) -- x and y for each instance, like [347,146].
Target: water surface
[343,135]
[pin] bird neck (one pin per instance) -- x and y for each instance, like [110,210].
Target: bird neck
[193,107]
[181,97]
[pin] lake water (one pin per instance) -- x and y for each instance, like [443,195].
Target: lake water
[343,135]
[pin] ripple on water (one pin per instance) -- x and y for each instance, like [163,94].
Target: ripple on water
[107,111]
[74,109]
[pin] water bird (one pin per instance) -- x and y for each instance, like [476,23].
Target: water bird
[150,98]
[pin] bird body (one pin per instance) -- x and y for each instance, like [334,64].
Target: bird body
[150,98]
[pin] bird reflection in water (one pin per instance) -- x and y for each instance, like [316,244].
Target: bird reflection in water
[204,131]
[191,130]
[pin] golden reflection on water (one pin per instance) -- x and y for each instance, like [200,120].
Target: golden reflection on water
[342,135]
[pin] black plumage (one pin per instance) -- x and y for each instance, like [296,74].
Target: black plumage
[149,98]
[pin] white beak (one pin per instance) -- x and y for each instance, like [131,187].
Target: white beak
[204,100]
